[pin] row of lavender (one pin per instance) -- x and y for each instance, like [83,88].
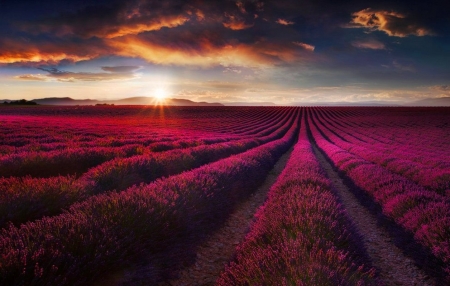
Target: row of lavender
[76,160]
[24,199]
[302,235]
[402,126]
[110,229]
[428,169]
[423,213]
[27,133]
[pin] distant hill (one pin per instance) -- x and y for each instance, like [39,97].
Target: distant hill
[265,103]
[442,101]
[141,100]
[344,103]
[65,101]
[124,101]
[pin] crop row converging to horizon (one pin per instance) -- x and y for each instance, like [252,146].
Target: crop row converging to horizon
[86,191]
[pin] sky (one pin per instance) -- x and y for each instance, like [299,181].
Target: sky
[285,52]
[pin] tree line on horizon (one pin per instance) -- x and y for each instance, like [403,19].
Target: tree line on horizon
[20,102]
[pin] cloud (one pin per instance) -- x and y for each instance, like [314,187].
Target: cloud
[223,85]
[442,88]
[390,22]
[236,22]
[121,69]
[439,91]
[36,77]
[39,52]
[284,22]
[369,44]
[38,57]
[123,18]
[114,73]
[238,71]
[305,46]
[206,49]
[161,32]
[241,7]
[119,19]
[237,25]
[136,28]
[404,66]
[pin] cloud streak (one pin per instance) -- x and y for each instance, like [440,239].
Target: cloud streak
[307,47]
[284,22]
[32,77]
[369,44]
[113,73]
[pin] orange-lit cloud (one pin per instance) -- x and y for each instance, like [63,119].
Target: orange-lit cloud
[236,22]
[369,44]
[284,22]
[126,25]
[136,28]
[200,48]
[205,52]
[200,15]
[305,46]
[241,7]
[38,57]
[24,52]
[392,23]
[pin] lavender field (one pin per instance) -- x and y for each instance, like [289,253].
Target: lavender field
[109,195]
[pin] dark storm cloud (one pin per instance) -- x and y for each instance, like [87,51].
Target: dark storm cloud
[134,17]
[134,29]
[211,33]
[114,20]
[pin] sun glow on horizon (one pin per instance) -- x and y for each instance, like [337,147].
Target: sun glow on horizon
[160,94]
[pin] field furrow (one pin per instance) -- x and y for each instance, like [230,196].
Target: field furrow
[26,199]
[423,214]
[105,230]
[302,235]
[398,269]
[182,195]
[434,174]
[218,249]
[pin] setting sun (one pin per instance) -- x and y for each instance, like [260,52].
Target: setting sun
[160,94]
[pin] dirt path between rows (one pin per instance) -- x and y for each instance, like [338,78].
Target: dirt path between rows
[393,266]
[219,249]
[213,254]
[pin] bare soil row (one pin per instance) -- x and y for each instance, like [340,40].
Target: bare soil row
[394,268]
